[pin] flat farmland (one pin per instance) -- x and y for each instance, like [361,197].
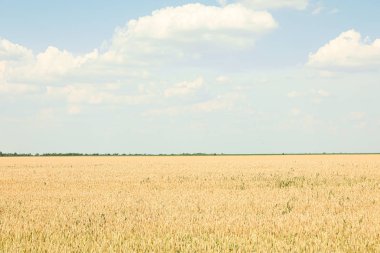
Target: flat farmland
[190,204]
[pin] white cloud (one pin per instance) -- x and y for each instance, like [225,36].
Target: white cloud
[19,64]
[56,62]
[184,33]
[137,52]
[184,88]
[347,52]
[276,4]
[50,65]
[176,30]
[205,20]
[13,52]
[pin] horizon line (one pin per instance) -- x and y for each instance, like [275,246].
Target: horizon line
[75,154]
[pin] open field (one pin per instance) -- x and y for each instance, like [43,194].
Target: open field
[188,204]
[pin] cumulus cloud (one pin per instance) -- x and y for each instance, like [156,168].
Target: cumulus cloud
[185,33]
[276,4]
[56,62]
[50,65]
[177,30]
[146,47]
[347,52]
[13,52]
[20,65]
[207,21]
[184,88]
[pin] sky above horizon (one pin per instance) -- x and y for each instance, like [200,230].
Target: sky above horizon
[243,76]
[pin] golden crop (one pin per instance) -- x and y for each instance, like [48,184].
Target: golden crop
[190,204]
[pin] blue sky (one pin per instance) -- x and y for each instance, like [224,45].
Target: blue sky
[245,76]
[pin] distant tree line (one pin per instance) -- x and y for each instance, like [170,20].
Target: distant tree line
[101,154]
[179,154]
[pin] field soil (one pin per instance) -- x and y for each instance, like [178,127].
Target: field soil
[305,203]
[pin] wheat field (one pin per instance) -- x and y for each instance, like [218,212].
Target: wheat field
[190,204]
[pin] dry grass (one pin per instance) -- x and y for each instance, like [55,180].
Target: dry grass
[190,204]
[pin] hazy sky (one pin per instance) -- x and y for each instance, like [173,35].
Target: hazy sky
[245,76]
